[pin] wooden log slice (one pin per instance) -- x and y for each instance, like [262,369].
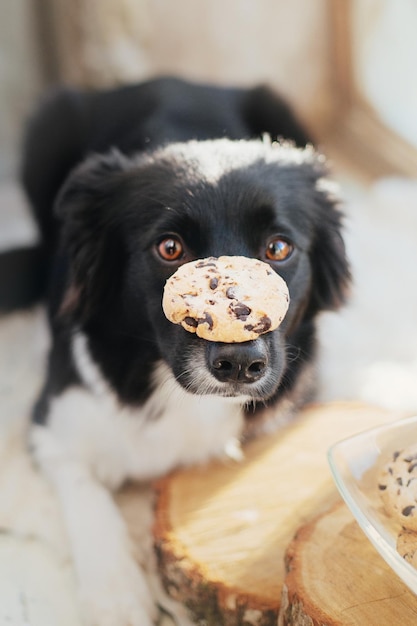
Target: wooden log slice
[337,578]
[221,531]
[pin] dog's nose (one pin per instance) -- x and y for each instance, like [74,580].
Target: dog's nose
[237,362]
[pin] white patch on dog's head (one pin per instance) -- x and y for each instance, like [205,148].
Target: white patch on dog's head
[211,160]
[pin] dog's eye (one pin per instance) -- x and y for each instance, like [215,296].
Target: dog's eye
[170,249]
[278,249]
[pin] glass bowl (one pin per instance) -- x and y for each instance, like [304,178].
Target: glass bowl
[355,464]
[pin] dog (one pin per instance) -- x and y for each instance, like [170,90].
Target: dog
[126,185]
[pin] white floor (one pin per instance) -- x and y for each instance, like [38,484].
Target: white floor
[369,352]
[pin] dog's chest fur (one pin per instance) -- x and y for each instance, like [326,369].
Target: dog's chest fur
[117,442]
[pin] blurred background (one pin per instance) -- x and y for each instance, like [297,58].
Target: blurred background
[90,44]
[348,69]
[323,56]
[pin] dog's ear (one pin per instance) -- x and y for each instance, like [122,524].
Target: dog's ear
[88,207]
[331,272]
[267,113]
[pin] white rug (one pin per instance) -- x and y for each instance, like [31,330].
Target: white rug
[368,352]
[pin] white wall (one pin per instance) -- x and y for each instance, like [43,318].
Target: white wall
[385,57]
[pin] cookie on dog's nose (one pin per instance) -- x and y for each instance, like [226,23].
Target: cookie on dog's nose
[229,298]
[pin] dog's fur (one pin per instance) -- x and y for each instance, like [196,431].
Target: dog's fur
[127,393]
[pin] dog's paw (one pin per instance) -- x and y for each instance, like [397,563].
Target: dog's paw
[118,601]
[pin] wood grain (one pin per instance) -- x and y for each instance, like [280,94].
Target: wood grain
[337,578]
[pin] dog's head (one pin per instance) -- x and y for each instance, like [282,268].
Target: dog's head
[128,223]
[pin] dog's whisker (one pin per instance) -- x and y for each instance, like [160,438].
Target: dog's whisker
[295,353]
[204,387]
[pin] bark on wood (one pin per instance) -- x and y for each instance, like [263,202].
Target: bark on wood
[221,531]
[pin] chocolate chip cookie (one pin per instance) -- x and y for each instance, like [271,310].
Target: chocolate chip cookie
[230,299]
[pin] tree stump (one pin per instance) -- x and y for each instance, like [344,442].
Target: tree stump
[221,531]
[337,578]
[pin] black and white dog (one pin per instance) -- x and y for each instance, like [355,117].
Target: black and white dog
[127,185]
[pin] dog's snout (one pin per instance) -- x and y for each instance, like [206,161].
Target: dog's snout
[238,362]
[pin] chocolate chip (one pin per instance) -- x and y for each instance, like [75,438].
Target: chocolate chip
[206,264]
[396,455]
[410,457]
[407,511]
[207,319]
[265,323]
[231,293]
[190,321]
[382,487]
[412,467]
[262,326]
[240,310]
[214,283]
